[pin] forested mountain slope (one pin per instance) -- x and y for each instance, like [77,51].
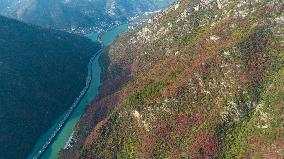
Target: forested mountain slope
[203,79]
[41,73]
[79,16]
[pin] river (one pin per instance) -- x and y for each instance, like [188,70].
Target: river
[62,136]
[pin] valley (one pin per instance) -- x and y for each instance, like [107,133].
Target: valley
[56,112]
[199,79]
[50,144]
[78,16]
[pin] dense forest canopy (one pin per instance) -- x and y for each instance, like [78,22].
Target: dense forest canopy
[41,73]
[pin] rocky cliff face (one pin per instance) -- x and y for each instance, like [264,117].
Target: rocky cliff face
[78,16]
[202,79]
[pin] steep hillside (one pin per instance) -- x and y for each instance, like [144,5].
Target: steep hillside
[203,79]
[79,16]
[41,73]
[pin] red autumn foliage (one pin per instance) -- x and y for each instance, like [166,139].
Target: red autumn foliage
[150,141]
[183,122]
[205,146]
[134,66]
[174,62]
[172,90]
[279,47]
[164,129]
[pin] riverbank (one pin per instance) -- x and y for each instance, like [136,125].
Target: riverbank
[70,111]
[50,136]
[57,137]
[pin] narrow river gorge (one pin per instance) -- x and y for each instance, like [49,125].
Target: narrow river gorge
[50,144]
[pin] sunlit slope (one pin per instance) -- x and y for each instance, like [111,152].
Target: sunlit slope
[203,79]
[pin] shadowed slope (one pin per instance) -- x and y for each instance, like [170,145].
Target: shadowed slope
[41,73]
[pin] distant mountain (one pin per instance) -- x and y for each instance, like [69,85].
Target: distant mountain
[41,73]
[203,79]
[78,15]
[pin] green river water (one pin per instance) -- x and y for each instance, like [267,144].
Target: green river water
[64,134]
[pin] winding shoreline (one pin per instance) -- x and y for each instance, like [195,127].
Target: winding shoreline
[72,108]
[86,94]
